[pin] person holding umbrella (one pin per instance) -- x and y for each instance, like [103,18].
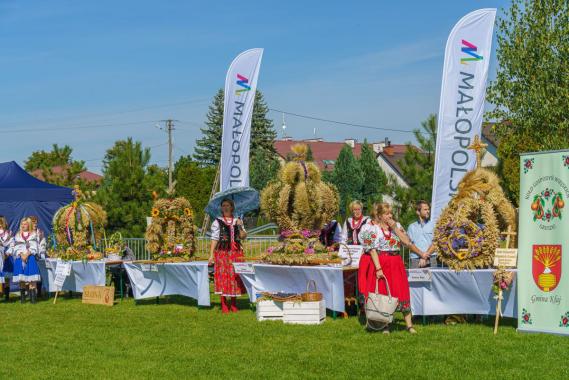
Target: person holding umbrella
[226,235]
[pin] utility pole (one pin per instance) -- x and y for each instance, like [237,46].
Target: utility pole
[169,129]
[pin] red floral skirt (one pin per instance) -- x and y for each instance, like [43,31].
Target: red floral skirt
[227,282]
[365,263]
[395,274]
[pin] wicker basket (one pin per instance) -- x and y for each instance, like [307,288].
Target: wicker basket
[311,296]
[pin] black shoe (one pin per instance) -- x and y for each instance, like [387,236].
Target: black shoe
[22,295]
[33,295]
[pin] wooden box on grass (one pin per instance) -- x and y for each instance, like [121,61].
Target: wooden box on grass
[269,310]
[304,313]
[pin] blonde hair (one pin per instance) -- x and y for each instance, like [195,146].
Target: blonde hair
[355,203]
[27,219]
[379,209]
[3,223]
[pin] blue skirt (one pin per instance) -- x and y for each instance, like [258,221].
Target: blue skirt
[7,270]
[26,272]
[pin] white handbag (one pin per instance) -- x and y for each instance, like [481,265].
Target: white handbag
[380,308]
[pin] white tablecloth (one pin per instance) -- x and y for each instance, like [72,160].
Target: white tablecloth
[82,273]
[293,279]
[154,280]
[465,292]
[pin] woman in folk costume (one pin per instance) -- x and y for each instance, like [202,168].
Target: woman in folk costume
[6,259]
[382,238]
[25,247]
[226,235]
[42,243]
[350,230]
[352,227]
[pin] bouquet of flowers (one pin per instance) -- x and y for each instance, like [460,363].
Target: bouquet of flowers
[502,280]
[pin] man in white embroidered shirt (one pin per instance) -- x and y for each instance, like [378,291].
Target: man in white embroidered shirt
[421,234]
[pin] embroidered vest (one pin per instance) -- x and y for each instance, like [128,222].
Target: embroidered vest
[350,232]
[224,242]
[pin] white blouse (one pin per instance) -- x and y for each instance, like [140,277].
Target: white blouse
[372,236]
[5,241]
[344,235]
[215,228]
[20,245]
[42,242]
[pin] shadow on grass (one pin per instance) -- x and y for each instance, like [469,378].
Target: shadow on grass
[242,302]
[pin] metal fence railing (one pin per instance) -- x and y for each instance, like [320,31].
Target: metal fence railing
[253,246]
[137,245]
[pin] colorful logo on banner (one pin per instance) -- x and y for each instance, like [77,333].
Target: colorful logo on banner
[470,49]
[547,205]
[242,81]
[546,266]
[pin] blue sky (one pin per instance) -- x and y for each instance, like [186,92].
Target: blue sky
[89,73]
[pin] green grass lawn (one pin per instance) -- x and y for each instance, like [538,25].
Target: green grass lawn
[175,339]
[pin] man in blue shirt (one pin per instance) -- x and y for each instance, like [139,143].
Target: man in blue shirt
[421,234]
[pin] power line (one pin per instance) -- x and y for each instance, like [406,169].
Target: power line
[75,127]
[101,159]
[182,150]
[55,120]
[341,122]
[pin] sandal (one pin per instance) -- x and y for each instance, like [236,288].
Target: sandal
[411,330]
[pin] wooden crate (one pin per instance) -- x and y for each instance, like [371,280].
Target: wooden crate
[304,313]
[269,310]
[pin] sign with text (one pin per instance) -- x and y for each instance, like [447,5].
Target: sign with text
[62,270]
[419,275]
[543,288]
[506,257]
[353,251]
[244,268]
[99,295]
[149,267]
[461,108]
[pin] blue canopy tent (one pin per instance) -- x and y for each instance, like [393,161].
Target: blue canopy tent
[23,195]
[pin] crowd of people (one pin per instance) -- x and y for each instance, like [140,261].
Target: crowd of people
[19,254]
[380,265]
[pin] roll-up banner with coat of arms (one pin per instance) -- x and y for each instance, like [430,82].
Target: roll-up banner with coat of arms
[543,244]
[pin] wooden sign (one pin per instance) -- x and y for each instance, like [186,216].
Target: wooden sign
[506,257]
[99,295]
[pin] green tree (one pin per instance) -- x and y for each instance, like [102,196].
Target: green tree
[126,191]
[309,154]
[374,180]
[263,134]
[264,167]
[68,175]
[194,182]
[57,156]
[347,176]
[530,94]
[417,167]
